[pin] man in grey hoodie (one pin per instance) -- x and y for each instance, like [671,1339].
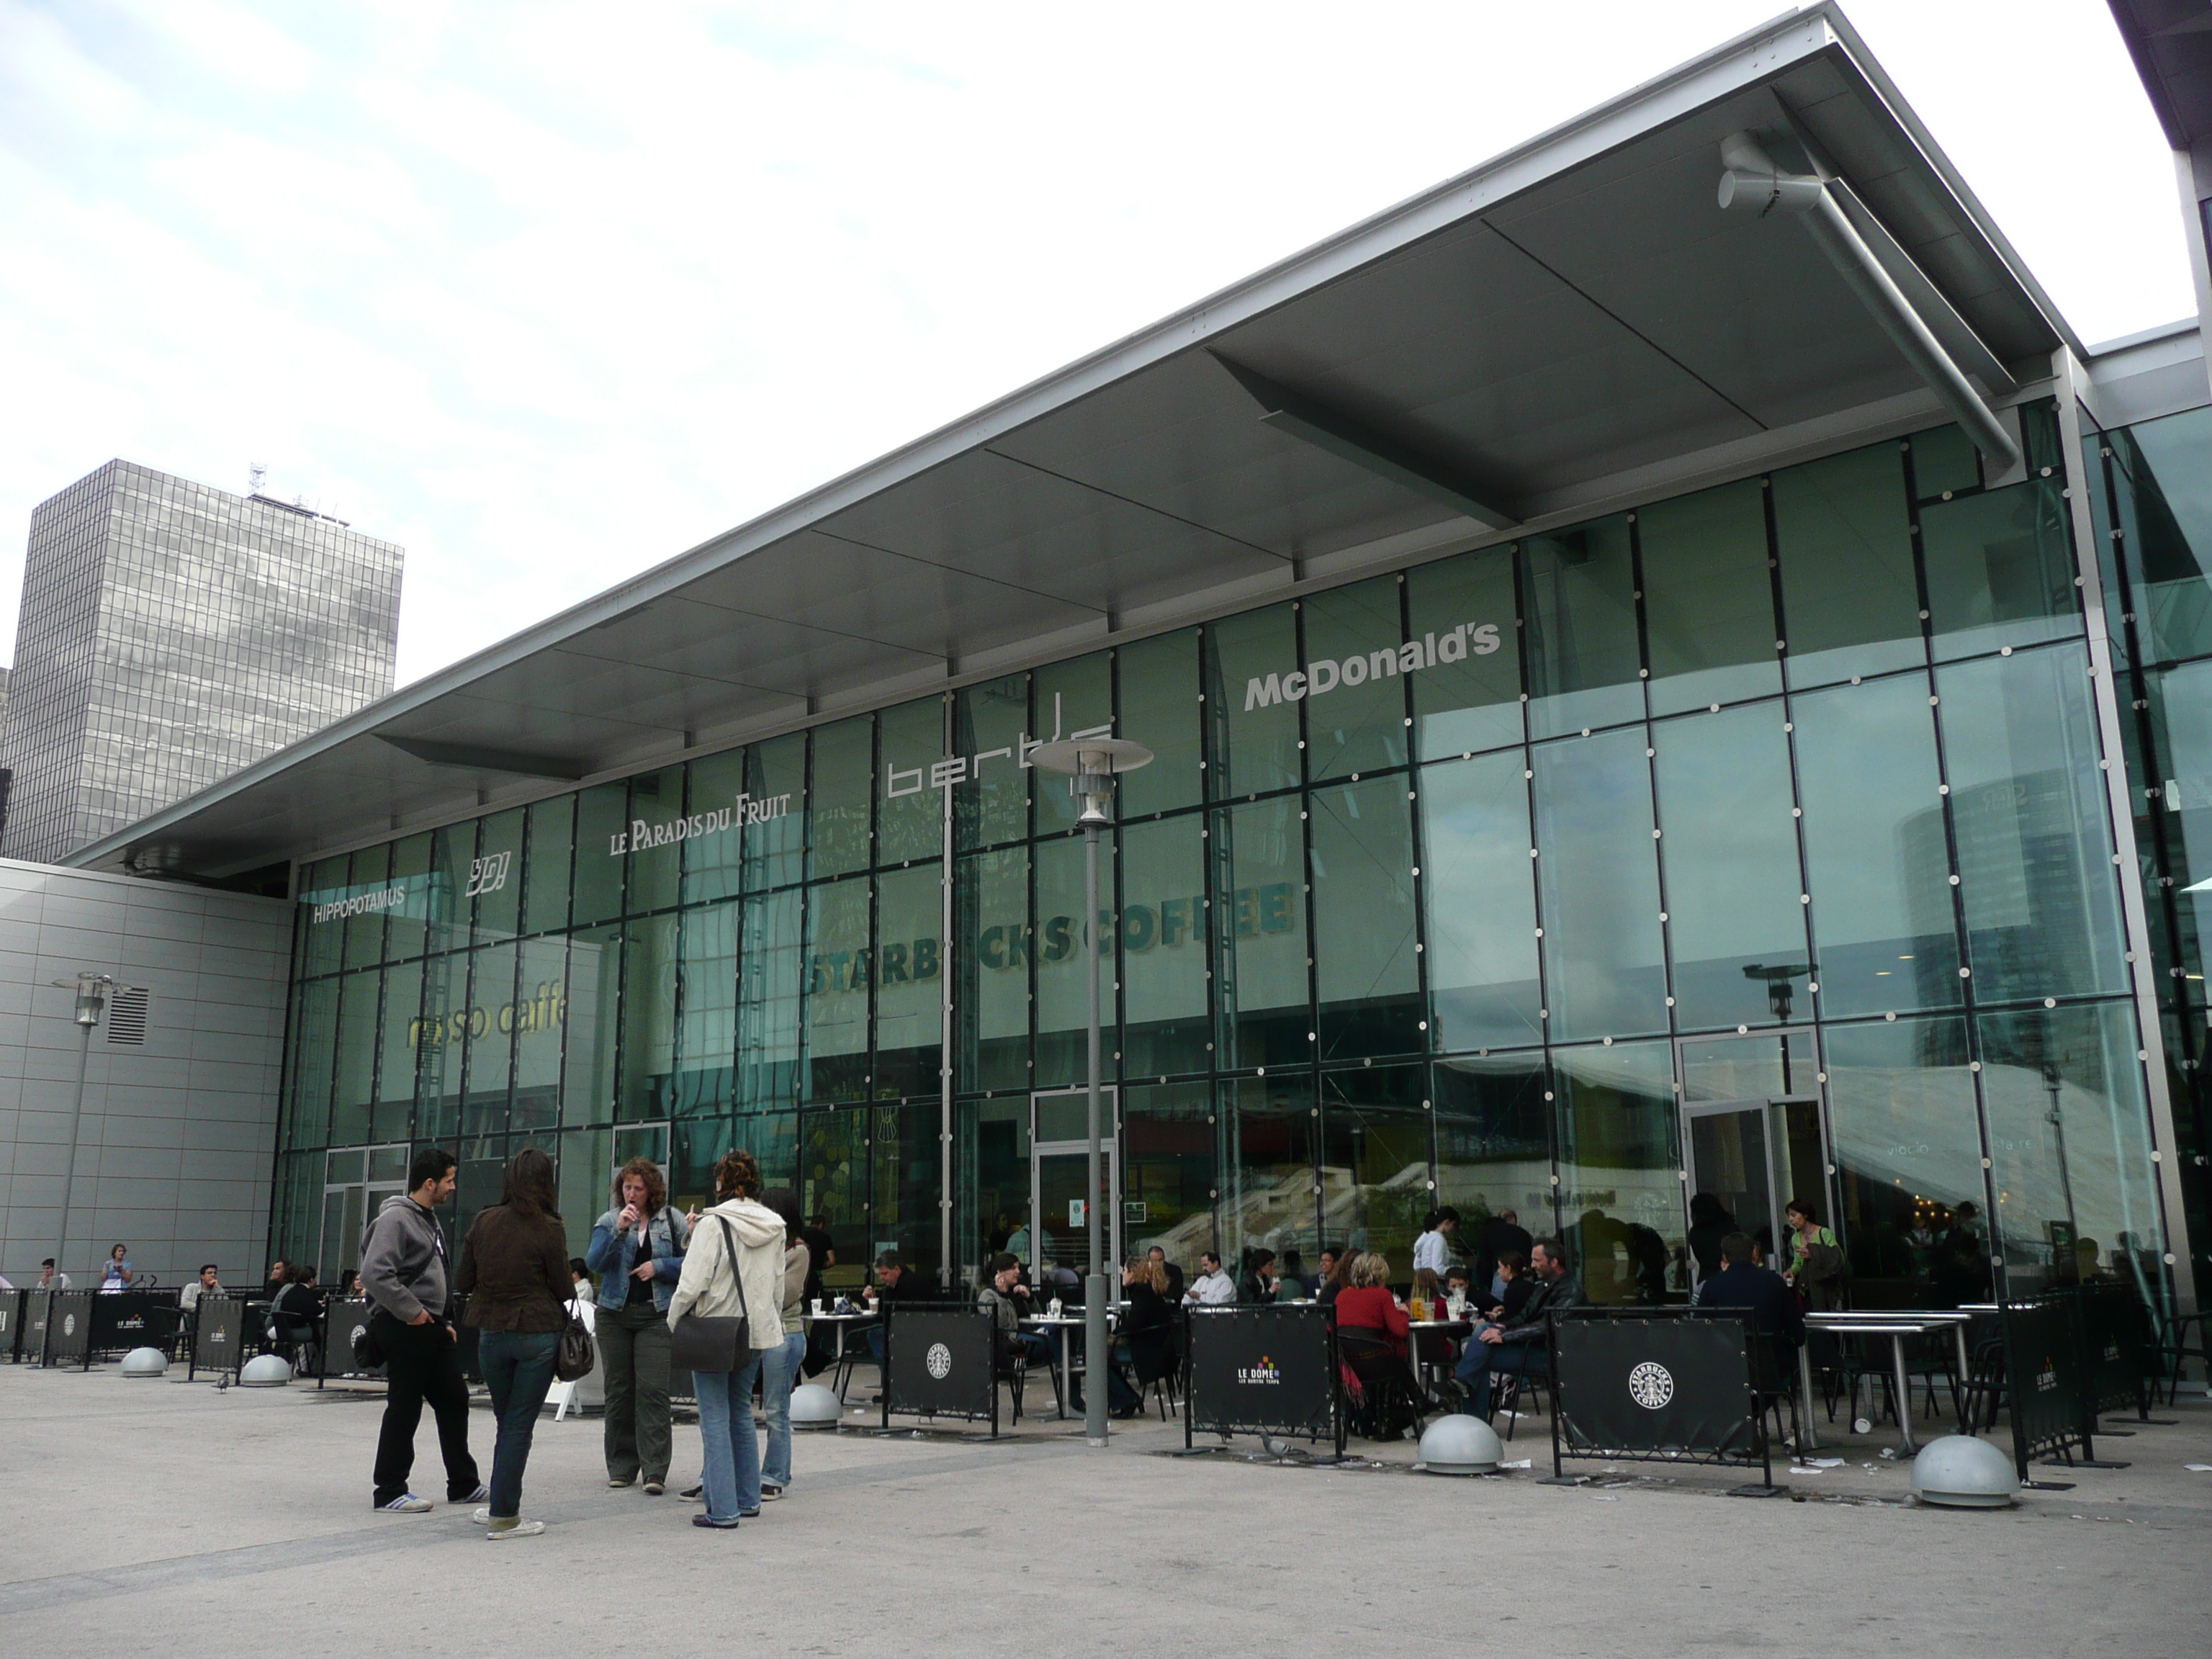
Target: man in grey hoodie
[403,1271]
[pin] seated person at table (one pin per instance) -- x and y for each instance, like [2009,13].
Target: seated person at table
[1293,1282]
[1168,1271]
[188,1299]
[1366,1303]
[1517,1344]
[1146,1339]
[1742,1283]
[894,1284]
[1006,1300]
[1511,1271]
[1212,1287]
[1257,1282]
[1339,1277]
[294,1313]
[1430,1289]
[1459,1287]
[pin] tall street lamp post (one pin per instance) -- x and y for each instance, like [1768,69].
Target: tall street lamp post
[1091,764]
[92,990]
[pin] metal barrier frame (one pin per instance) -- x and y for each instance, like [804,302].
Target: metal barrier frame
[1763,1460]
[1314,1312]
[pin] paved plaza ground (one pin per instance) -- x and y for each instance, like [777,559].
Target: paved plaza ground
[165,1516]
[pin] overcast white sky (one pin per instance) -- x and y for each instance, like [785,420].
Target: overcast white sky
[550,293]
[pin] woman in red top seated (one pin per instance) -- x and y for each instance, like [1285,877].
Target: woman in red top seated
[1366,1302]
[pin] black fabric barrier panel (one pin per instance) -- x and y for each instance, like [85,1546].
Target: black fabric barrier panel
[131,1319]
[219,1338]
[2115,1339]
[2047,1379]
[69,1327]
[1670,1386]
[11,1322]
[1270,1369]
[340,1320]
[940,1362]
[38,1307]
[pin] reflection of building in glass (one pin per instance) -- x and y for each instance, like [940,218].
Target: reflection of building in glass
[172,635]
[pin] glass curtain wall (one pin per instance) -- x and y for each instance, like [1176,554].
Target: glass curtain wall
[1434,874]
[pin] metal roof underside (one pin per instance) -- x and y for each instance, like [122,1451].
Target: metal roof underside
[1573,311]
[2171,41]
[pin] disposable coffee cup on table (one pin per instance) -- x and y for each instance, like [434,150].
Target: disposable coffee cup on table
[818,1305]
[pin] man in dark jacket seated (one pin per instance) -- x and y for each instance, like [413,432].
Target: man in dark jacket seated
[1742,1283]
[1517,1345]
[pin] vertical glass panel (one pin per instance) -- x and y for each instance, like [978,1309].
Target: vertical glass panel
[484,1163]
[771,982]
[991,1138]
[1578,595]
[552,854]
[491,1040]
[406,930]
[1736,925]
[1479,885]
[714,856]
[356,1085]
[992,1006]
[1878,868]
[696,1146]
[451,849]
[837,989]
[1061,948]
[1167,1171]
[2035,852]
[1367,977]
[1252,725]
[707,1032]
[909,981]
[1259,871]
[2181,721]
[989,722]
[1356,641]
[371,876]
[1462,610]
[658,830]
[1160,710]
[1908,1163]
[1599,883]
[601,852]
[912,824]
[2070,1139]
[1073,699]
[775,845]
[906,1181]
[1164,948]
[2000,568]
[1267,1196]
[495,877]
[594,1006]
[649,1020]
[1708,600]
[401,1035]
[541,1019]
[445,1041]
[1944,459]
[838,795]
[1847,550]
[2165,524]
[586,1161]
[1375,1160]
[324,883]
[1493,1142]
[833,1188]
[1621,1187]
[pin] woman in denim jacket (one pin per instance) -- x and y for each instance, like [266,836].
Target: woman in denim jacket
[637,1250]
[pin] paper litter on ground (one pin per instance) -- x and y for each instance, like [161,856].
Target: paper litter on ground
[2198,1468]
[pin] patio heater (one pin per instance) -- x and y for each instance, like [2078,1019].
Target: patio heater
[1091,764]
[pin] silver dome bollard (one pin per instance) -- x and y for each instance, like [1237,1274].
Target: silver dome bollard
[266,1370]
[1960,1472]
[814,1406]
[1456,1443]
[145,1362]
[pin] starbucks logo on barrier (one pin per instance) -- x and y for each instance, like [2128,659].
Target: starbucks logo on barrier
[1651,1385]
[940,1361]
[68,1324]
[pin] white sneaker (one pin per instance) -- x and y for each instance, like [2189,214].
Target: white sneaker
[482,1516]
[518,1529]
[406,1503]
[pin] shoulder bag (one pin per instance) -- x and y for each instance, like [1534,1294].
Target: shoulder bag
[724,1343]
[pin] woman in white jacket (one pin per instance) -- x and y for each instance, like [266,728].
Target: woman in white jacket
[717,1283]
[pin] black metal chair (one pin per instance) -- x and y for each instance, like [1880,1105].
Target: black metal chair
[2174,1341]
[1387,1384]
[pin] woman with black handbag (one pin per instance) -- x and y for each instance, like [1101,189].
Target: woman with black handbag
[725,1313]
[514,1271]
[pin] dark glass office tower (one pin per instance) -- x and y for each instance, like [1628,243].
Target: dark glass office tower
[172,634]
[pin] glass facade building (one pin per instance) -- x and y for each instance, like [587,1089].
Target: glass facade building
[1500,880]
[172,634]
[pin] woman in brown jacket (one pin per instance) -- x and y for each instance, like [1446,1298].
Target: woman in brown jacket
[514,1271]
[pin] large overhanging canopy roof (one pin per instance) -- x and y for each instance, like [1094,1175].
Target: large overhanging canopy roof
[1562,326]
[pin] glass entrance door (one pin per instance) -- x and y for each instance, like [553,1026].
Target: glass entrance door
[1060,1230]
[1745,1160]
[356,1181]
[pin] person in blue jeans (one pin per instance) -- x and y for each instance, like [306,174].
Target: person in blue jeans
[732,1267]
[780,1367]
[514,1271]
[1517,1344]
